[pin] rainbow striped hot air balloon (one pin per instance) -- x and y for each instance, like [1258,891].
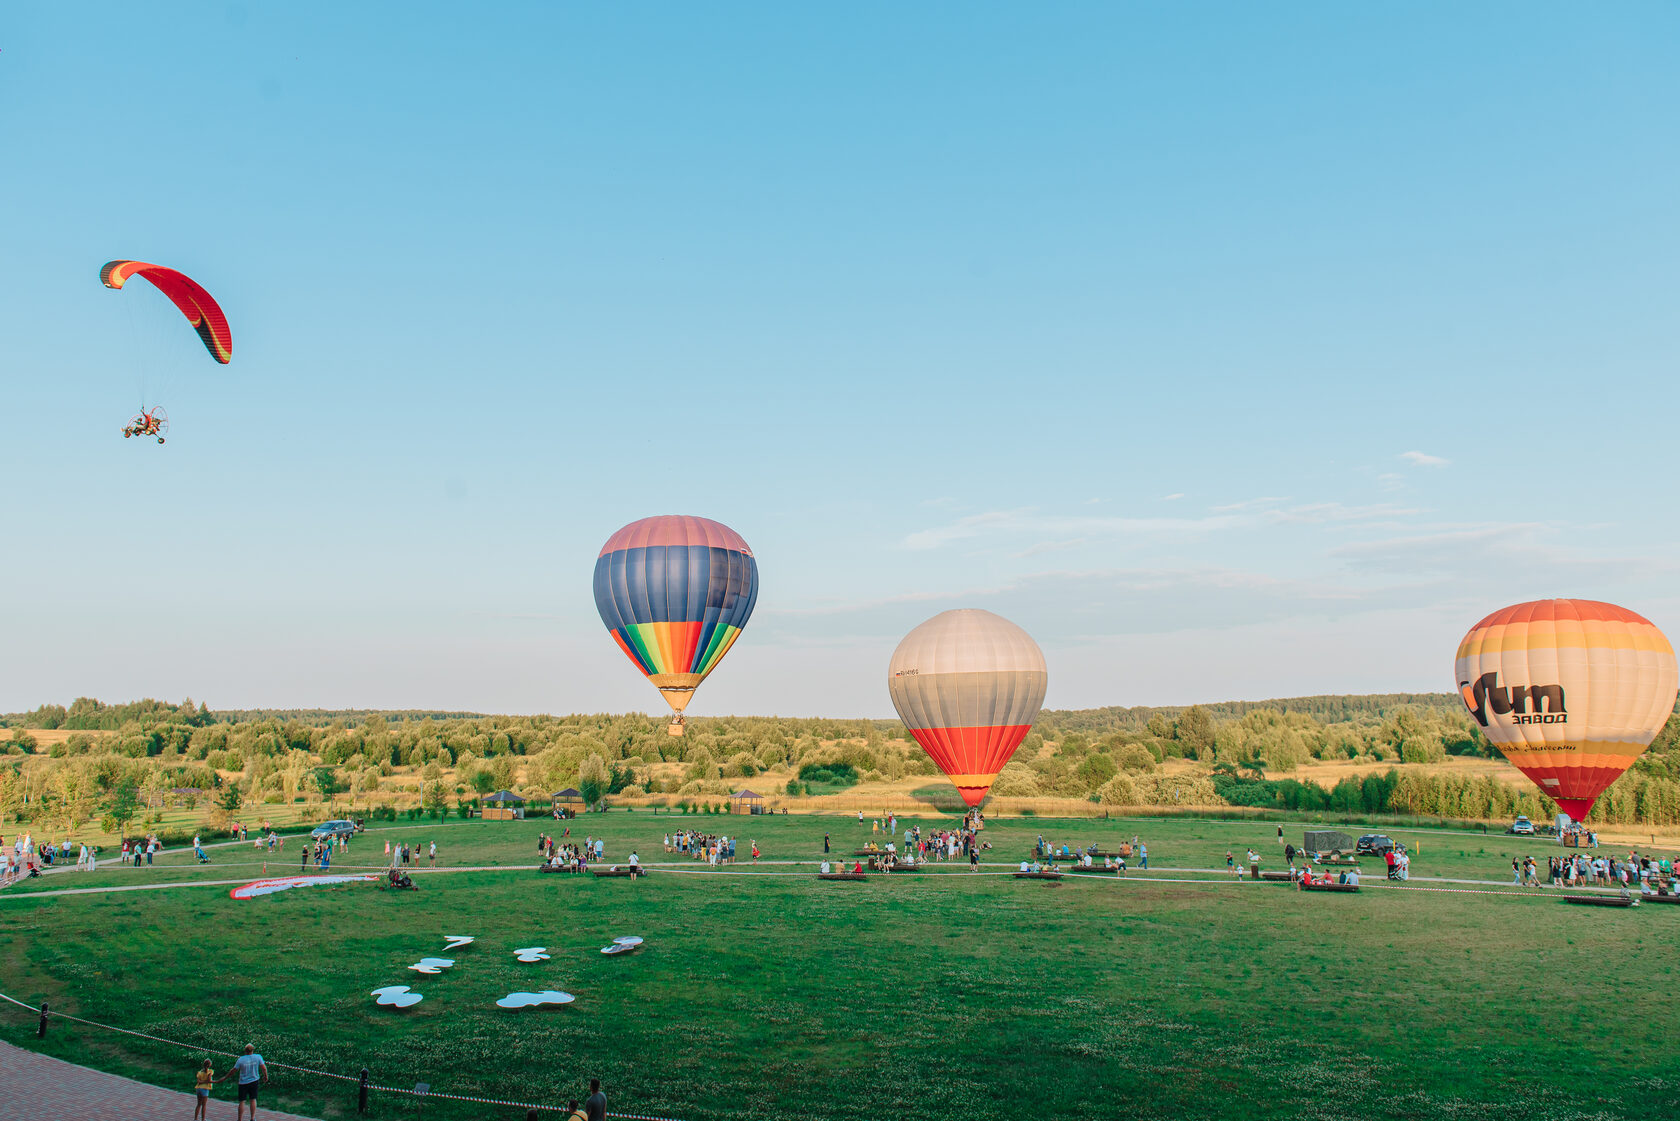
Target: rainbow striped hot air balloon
[968,685]
[1571,690]
[675,592]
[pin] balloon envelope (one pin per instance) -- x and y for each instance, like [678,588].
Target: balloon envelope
[1571,690]
[675,592]
[968,685]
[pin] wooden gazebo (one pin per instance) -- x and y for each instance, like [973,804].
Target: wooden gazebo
[746,802]
[504,805]
[569,800]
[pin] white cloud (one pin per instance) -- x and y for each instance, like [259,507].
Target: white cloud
[1172,497]
[1424,459]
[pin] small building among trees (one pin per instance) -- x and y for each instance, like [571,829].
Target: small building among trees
[504,805]
[746,802]
[569,802]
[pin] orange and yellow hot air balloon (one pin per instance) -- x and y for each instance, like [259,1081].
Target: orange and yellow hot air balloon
[1571,690]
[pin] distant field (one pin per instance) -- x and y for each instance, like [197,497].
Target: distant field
[773,995]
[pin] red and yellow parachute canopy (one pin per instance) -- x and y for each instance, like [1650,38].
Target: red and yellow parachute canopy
[1571,690]
[195,303]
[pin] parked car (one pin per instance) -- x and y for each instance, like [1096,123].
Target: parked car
[1374,844]
[333,829]
[1522,825]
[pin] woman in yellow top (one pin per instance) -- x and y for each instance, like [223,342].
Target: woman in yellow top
[201,1091]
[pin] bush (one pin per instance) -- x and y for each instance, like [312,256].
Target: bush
[837,775]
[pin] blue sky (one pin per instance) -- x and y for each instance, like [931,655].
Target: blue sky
[1232,350]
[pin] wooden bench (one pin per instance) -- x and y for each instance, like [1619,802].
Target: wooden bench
[841,876]
[1037,875]
[1661,899]
[1328,887]
[1601,900]
[546,870]
[607,873]
[1277,877]
[1097,869]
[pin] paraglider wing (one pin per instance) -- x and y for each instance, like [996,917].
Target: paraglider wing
[195,303]
[1572,691]
[968,684]
[675,592]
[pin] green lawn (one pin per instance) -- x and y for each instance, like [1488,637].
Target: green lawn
[946,995]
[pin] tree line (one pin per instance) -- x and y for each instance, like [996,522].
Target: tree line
[1243,754]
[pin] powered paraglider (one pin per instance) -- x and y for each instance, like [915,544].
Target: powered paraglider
[150,422]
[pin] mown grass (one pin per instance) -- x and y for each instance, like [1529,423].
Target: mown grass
[948,995]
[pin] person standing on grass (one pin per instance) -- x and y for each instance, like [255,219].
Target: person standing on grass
[1516,871]
[825,842]
[252,1072]
[595,1109]
[432,855]
[201,1090]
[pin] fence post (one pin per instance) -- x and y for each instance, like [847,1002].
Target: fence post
[362,1093]
[41,1028]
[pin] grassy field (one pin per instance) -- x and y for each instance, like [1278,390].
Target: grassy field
[770,994]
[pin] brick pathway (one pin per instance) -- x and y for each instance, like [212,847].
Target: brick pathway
[37,1088]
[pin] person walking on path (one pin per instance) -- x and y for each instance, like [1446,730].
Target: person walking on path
[252,1072]
[1143,856]
[201,1091]
[595,1108]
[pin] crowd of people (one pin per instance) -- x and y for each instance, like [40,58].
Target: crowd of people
[1649,875]
[714,850]
[570,856]
[1048,853]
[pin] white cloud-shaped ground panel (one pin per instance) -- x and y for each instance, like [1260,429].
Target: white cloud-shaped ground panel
[529,954]
[456,941]
[432,965]
[396,996]
[628,940]
[549,998]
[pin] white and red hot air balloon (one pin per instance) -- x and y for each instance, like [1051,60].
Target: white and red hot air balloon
[968,684]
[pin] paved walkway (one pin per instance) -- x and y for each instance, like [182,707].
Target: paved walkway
[37,1088]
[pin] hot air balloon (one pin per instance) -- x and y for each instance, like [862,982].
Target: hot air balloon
[1571,690]
[675,592]
[968,685]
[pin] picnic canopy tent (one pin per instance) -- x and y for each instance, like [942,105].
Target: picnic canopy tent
[1327,840]
[746,802]
[504,805]
[569,799]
